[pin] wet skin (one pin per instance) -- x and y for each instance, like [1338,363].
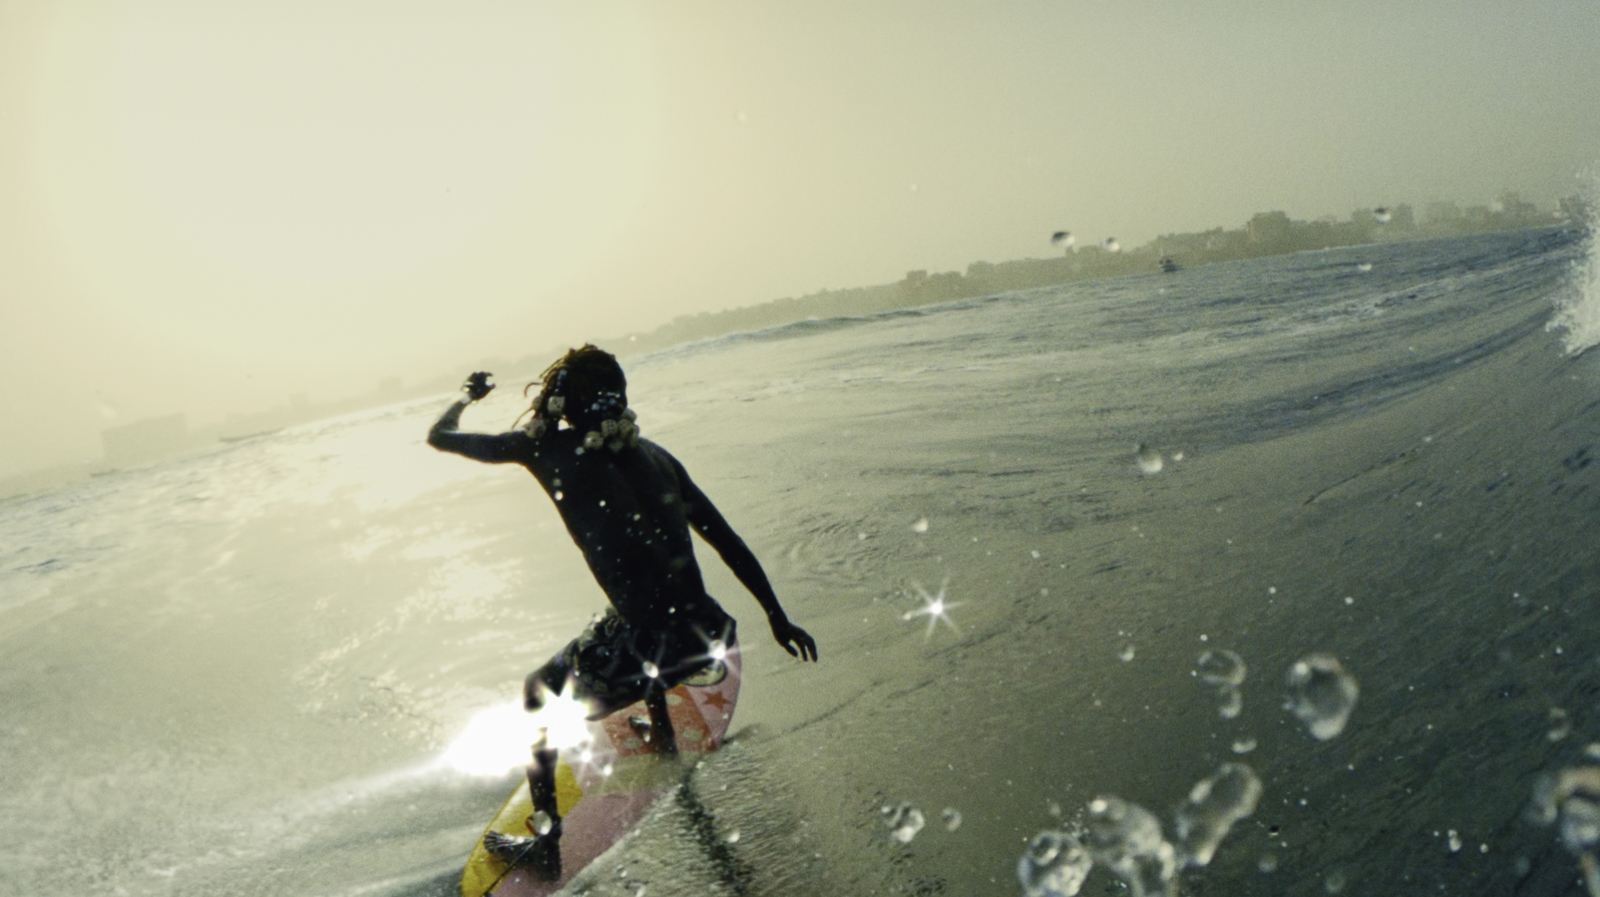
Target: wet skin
[630,511]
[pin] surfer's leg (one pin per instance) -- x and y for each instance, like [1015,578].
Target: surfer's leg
[542,851]
[662,740]
[542,785]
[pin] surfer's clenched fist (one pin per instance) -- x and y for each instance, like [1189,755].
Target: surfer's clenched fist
[478,385]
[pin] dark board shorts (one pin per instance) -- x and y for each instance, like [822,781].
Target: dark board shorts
[610,663]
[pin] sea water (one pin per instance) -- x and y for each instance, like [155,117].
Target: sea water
[1023,530]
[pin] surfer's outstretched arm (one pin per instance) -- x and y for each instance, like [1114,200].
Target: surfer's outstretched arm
[445,436]
[714,528]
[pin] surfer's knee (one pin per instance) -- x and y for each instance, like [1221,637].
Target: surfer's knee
[541,682]
[533,692]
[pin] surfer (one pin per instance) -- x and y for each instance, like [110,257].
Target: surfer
[629,505]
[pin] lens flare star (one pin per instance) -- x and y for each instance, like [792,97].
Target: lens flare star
[498,739]
[934,607]
[564,719]
[495,741]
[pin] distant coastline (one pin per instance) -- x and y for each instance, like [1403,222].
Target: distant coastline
[1265,234]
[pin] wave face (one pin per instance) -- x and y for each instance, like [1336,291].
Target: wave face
[1579,314]
[1014,526]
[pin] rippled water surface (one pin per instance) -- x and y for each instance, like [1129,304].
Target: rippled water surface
[1076,545]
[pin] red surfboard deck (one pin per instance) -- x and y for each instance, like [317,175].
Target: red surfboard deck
[603,790]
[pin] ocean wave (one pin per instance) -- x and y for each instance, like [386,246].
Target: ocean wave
[1578,312]
[822,325]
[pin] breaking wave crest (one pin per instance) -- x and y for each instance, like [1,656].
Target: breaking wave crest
[1579,313]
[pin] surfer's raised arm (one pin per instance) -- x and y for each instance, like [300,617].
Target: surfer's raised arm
[445,436]
[715,529]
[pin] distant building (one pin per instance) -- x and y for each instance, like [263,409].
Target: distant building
[144,440]
[1269,228]
[1510,202]
[1443,213]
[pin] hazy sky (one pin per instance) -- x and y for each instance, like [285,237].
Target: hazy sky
[206,207]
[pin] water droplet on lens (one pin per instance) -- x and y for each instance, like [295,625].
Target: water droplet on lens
[1054,865]
[1580,824]
[904,821]
[1148,459]
[1224,671]
[1321,694]
[1572,796]
[1213,806]
[921,526]
[1560,725]
[1231,705]
[1220,668]
[540,823]
[1126,839]
[952,819]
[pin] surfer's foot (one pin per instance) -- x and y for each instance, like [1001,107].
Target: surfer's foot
[541,854]
[642,728]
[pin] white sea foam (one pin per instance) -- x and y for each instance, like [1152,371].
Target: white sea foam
[1579,312]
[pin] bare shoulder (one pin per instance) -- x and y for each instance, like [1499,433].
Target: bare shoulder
[663,460]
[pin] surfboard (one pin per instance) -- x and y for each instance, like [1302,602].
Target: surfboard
[604,788]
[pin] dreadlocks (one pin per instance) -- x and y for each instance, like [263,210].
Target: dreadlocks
[587,389]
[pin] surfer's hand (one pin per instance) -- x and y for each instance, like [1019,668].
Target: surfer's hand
[794,639]
[477,386]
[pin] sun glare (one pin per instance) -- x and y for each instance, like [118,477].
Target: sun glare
[501,738]
[564,719]
[495,741]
